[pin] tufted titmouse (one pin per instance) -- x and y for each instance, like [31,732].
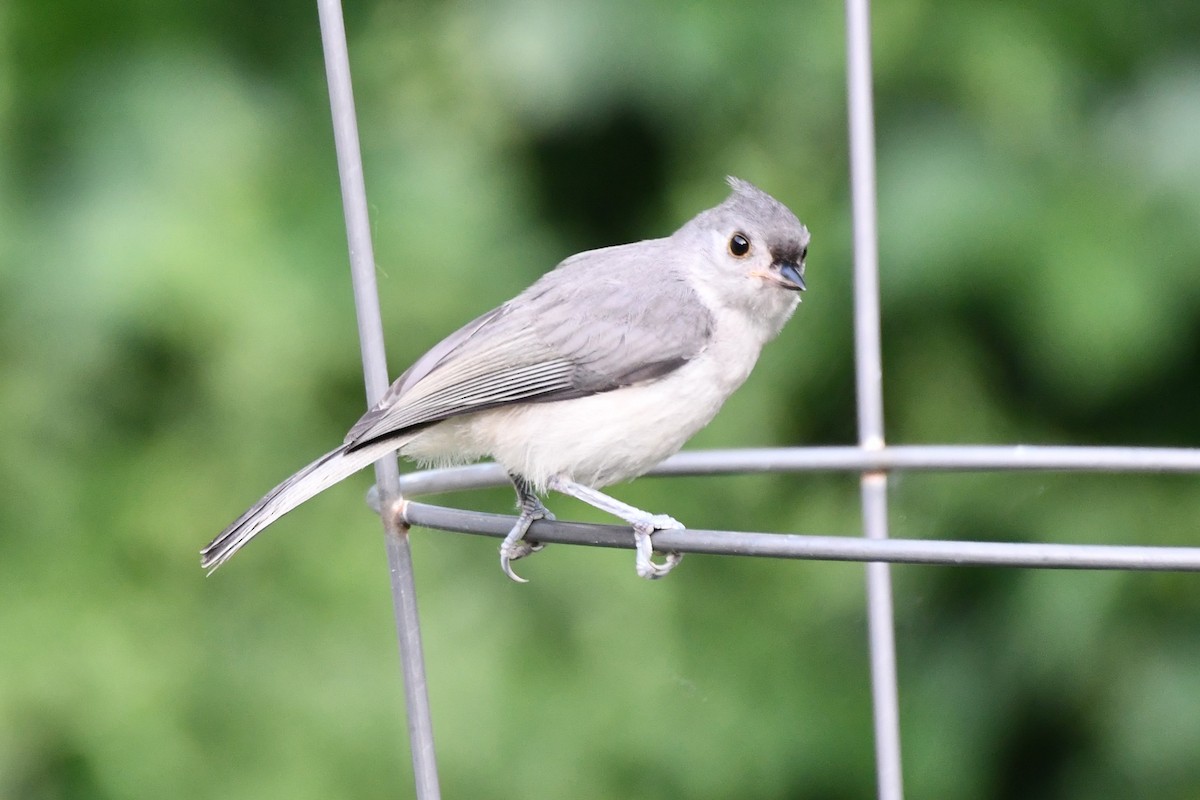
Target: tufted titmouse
[595,373]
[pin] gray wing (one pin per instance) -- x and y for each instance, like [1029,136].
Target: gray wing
[602,320]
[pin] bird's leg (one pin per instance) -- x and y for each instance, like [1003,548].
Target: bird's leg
[514,545]
[644,524]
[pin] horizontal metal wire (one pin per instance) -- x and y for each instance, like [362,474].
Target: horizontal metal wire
[821,548]
[837,548]
[935,457]
[947,458]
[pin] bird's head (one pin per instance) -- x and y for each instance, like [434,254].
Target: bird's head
[753,252]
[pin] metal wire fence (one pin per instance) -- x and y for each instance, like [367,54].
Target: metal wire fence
[871,458]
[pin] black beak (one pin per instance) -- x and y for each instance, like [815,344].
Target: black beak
[790,272]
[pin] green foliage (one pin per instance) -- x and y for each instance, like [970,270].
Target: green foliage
[176,334]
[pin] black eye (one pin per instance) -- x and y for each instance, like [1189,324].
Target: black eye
[804,255]
[739,245]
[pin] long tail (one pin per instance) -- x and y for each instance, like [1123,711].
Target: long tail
[318,476]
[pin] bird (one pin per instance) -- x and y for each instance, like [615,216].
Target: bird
[596,372]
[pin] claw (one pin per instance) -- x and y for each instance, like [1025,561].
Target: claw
[515,546]
[515,550]
[508,570]
[643,530]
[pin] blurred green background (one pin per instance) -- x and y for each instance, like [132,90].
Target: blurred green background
[177,334]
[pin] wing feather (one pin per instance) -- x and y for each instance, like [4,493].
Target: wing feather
[586,327]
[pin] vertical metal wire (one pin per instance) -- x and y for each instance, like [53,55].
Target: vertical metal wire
[869,373]
[370,330]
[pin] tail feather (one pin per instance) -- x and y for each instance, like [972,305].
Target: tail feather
[318,476]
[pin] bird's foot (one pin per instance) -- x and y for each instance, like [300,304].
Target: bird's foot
[643,529]
[514,546]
